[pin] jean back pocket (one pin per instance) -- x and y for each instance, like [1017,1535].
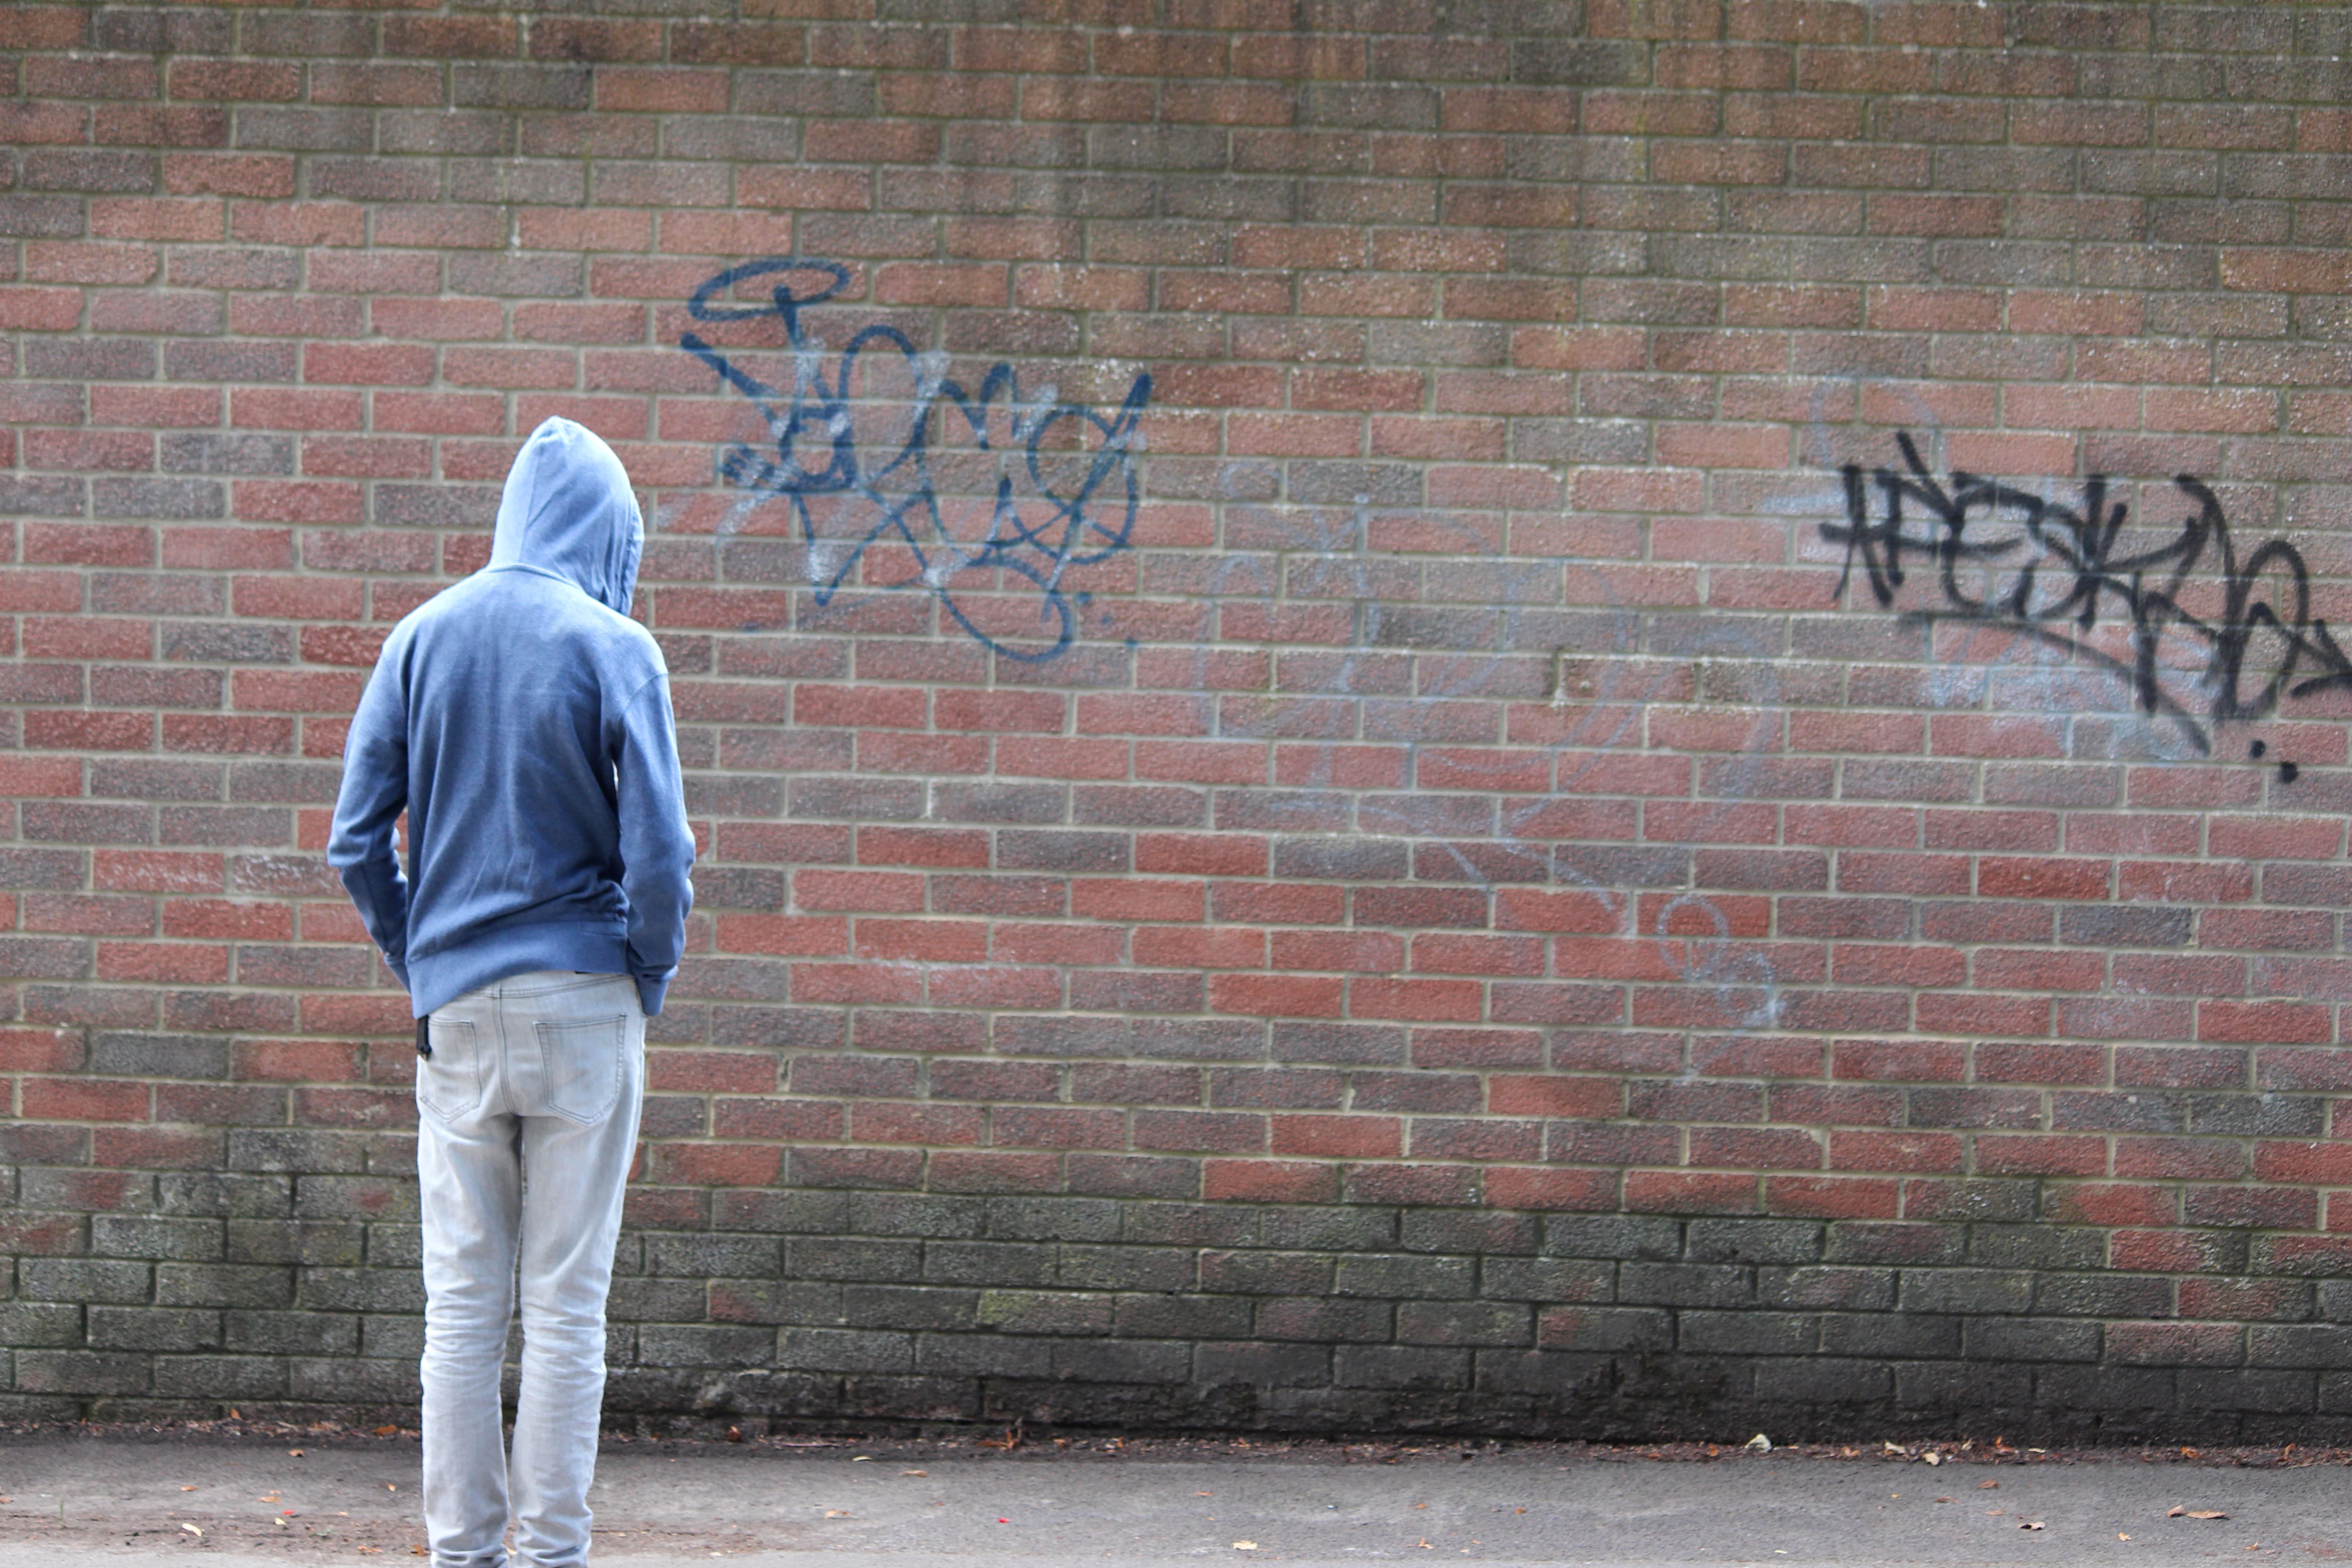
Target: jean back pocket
[582,1059]
[449,1080]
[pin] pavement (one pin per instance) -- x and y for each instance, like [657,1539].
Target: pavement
[299,1496]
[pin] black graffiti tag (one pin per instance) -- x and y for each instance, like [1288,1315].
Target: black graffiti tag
[2059,574]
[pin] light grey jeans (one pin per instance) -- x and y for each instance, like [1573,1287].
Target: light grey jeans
[527,1121]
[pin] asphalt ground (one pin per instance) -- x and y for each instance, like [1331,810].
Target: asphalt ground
[240,1497]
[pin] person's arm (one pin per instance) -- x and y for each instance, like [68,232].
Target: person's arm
[657,846]
[374,793]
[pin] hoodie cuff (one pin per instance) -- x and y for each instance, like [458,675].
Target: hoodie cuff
[650,990]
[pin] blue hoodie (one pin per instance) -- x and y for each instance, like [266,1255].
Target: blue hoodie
[522,721]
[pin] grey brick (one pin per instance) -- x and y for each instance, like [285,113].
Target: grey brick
[915,1213]
[89,1373]
[1344,1229]
[1966,1290]
[159,1055]
[1596,1328]
[155,1236]
[297,1153]
[1904,1334]
[698,1257]
[1545,1280]
[358,1290]
[911,1307]
[1753,1241]
[2299,1345]
[2148,1388]
[983,1355]
[2037,1246]
[222,1285]
[1260,1365]
[346,1381]
[398,1337]
[1323,1319]
[1268,1273]
[1045,1311]
[1395,1276]
[702,1345]
[83,1279]
[1851,1289]
[1546,1374]
[1400,1366]
[40,1325]
[1749,1333]
[153,1328]
[2101,1294]
[1819,1380]
[385,1199]
[220,1377]
[1126,1269]
[1472,1324]
[290,1333]
[1685,1284]
[844,1349]
[326,1242]
[1612,1236]
[2240,1389]
[987,1263]
[1053,1219]
[1122,1361]
[852,1257]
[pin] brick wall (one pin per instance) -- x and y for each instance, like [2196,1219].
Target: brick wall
[1482,713]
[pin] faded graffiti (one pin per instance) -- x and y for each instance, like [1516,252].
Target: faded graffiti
[2200,638]
[887,451]
[1500,627]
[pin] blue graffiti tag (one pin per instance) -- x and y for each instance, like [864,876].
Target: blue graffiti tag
[866,498]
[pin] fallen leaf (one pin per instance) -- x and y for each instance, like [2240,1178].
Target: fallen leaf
[734,1434]
[860,1459]
[2121,1536]
[268,1497]
[1426,1546]
[1523,1510]
[383,1432]
[293,1453]
[1894,1449]
[914,1472]
[191,1530]
[1420,1505]
[2031,1524]
[1204,1494]
[1943,1499]
[1934,1458]
[2177,1512]
[187,1489]
[390,1488]
[1759,1442]
[2188,1453]
[1246,1546]
[1988,1486]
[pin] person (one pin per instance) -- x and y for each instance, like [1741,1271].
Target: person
[522,722]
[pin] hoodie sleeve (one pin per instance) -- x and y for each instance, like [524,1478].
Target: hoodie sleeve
[374,791]
[657,846]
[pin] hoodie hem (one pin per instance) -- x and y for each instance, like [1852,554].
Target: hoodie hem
[439,979]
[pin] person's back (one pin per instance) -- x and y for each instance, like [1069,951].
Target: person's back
[522,722]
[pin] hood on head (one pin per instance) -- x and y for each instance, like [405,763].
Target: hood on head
[568,511]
